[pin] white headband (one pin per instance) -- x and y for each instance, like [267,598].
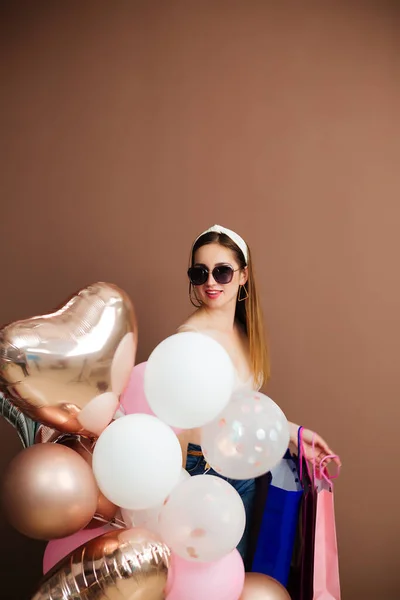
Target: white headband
[239,241]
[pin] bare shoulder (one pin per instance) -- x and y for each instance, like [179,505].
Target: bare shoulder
[186,327]
[196,323]
[193,323]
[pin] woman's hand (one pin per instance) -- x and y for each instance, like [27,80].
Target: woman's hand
[321,448]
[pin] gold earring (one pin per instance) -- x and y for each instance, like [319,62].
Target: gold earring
[240,297]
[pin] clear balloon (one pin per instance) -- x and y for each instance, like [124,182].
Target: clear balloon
[148,518]
[203,519]
[49,492]
[137,461]
[120,565]
[188,380]
[67,369]
[248,438]
[222,579]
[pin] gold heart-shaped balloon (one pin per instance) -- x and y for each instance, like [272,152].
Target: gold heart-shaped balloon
[129,564]
[67,369]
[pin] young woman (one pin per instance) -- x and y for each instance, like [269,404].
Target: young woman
[222,288]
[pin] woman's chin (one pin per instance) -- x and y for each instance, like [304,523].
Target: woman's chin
[216,304]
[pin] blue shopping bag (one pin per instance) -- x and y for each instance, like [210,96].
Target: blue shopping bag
[279,522]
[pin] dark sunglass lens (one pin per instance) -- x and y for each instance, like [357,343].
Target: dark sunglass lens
[197,275]
[223,274]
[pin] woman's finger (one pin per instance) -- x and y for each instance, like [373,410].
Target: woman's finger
[337,461]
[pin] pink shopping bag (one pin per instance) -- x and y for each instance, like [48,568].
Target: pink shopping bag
[326,561]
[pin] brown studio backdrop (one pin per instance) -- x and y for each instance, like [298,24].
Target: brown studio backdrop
[128,128]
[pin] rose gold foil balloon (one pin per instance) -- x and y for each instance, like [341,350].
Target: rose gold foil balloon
[49,492]
[129,564]
[67,369]
[261,587]
[47,434]
[106,510]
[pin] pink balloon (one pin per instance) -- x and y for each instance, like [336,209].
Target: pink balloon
[59,549]
[98,413]
[222,579]
[133,399]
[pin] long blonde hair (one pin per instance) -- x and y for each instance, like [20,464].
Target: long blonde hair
[248,312]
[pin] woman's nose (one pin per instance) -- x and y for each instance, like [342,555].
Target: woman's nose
[210,278]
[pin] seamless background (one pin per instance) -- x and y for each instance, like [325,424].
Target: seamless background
[129,127]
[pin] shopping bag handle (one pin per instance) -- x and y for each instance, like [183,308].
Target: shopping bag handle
[323,470]
[301,454]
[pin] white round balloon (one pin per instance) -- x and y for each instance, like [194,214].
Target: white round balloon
[137,461]
[189,379]
[248,438]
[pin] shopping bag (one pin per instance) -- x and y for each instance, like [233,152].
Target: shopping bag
[326,561]
[277,532]
[300,583]
[262,488]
